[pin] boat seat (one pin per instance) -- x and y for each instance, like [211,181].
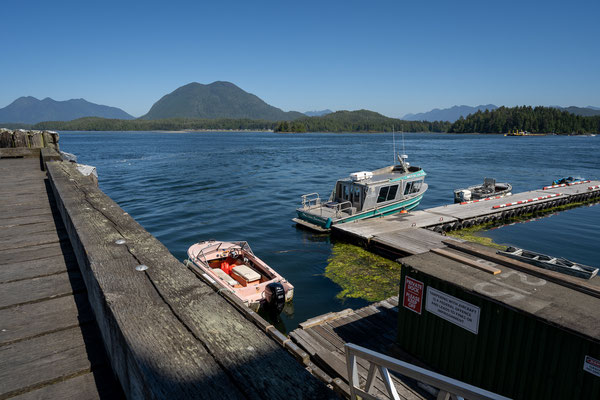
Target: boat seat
[245,275]
[222,275]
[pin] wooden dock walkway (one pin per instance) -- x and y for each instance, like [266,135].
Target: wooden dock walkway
[87,295]
[50,345]
[419,231]
[374,327]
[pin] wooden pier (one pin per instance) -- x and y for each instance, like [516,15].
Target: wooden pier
[93,306]
[420,231]
[50,345]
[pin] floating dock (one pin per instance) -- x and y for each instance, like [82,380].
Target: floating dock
[93,306]
[419,231]
[476,316]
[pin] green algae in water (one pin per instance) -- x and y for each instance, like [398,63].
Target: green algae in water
[362,274]
[475,234]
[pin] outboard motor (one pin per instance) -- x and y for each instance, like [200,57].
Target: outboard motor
[275,298]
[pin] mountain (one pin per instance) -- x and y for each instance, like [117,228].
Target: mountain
[30,110]
[216,100]
[318,113]
[588,111]
[448,114]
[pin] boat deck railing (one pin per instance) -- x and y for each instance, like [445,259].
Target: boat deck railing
[448,387]
[310,200]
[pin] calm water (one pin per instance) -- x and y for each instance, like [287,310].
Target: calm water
[186,187]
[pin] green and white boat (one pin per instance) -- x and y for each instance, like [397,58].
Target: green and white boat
[389,190]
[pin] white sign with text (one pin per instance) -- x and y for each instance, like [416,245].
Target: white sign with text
[454,310]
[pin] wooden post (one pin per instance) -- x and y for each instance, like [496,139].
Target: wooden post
[35,139]
[20,138]
[6,139]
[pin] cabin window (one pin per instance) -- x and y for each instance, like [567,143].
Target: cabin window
[416,186]
[346,192]
[412,187]
[392,193]
[387,193]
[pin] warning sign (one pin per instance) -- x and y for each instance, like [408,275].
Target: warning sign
[591,365]
[461,313]
[413,294]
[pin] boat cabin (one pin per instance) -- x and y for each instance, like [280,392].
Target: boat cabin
[365,190]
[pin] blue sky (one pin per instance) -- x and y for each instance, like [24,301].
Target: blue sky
[393,57]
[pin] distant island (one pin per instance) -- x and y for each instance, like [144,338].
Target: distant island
[29,110]
[224,106]
[448,114]
[317,113]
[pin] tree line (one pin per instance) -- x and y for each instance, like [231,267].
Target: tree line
[526,118]
[501,120]
[169,124]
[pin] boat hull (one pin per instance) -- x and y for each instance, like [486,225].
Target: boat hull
[551,263]
[326,223]
[253,295]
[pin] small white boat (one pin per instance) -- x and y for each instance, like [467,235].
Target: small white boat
[490,188]
[233,266]
[552,263]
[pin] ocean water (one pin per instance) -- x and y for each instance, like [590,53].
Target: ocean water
[186,187]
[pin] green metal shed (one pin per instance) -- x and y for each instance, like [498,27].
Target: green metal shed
[512,333]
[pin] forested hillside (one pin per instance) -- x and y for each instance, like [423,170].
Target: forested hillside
[358,121]
[526,118]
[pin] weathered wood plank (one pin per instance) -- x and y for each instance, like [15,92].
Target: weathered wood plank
[29,253]
[8,233]
[37,268]
[31,216]
[35,239]
[483,266]
[242,352]
[34,319]
[20,152]
[96,385]
[48,358]
[47,287]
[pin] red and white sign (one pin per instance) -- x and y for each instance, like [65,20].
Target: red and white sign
[413,294]
[591,365]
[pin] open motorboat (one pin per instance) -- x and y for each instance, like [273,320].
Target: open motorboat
[233,266]
[552,263]
[365,194]
[569,180]
[490,188]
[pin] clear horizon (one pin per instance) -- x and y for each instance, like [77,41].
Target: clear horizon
[388,57]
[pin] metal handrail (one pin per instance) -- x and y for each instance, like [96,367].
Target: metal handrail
[338,207]
[308,201]
[449,388]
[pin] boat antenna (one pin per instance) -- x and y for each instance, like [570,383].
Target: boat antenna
[403,149]
[394,141]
